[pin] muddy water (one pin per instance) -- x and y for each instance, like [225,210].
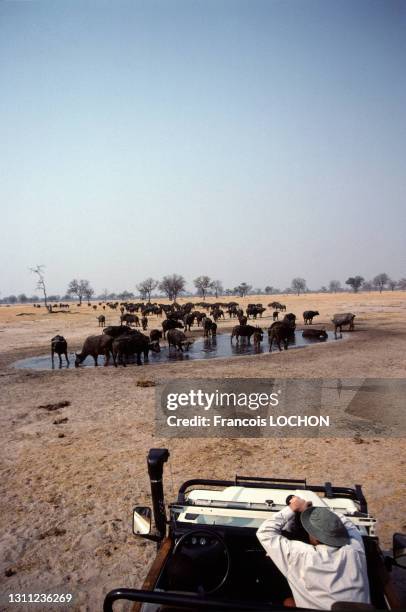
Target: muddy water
[202,348]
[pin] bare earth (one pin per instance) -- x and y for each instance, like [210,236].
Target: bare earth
[67,501]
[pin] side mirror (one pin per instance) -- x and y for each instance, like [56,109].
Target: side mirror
[141,520]
[399,550]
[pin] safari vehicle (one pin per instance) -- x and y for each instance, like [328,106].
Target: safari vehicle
[208,555]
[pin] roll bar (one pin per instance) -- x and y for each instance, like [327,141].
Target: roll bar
[180,600]
[155,461]
[158,456]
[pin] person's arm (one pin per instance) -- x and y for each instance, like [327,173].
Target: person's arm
[270,535]
[355,535]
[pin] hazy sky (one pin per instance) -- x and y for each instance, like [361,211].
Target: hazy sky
[248,140]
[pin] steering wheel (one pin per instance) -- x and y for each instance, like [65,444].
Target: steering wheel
[208,556]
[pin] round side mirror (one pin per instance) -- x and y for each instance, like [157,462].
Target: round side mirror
[141,520]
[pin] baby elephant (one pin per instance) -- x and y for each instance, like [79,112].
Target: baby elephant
[60,347]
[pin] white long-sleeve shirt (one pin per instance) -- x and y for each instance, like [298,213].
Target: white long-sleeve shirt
[318,575]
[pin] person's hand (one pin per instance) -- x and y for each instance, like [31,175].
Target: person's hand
[297,504]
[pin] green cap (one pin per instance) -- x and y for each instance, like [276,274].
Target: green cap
[325,526]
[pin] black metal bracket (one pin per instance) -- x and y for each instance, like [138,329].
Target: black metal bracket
[180,600]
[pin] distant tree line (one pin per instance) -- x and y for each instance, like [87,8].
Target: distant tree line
[378,283]
[174,285]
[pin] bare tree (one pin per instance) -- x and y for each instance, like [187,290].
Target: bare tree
[367,286]
[146,287]
[334,286]
[39,271]
[88,292]
[202,284]
[402,284]
[355,282]
[80,288]
[172,285]
[380,281]
[74,289]
[392,284]
[217,287]
[298,285]
[242,289]
[269,290]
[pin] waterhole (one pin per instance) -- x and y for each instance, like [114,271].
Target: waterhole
[202,348]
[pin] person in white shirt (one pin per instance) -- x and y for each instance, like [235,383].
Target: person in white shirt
[332,568]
